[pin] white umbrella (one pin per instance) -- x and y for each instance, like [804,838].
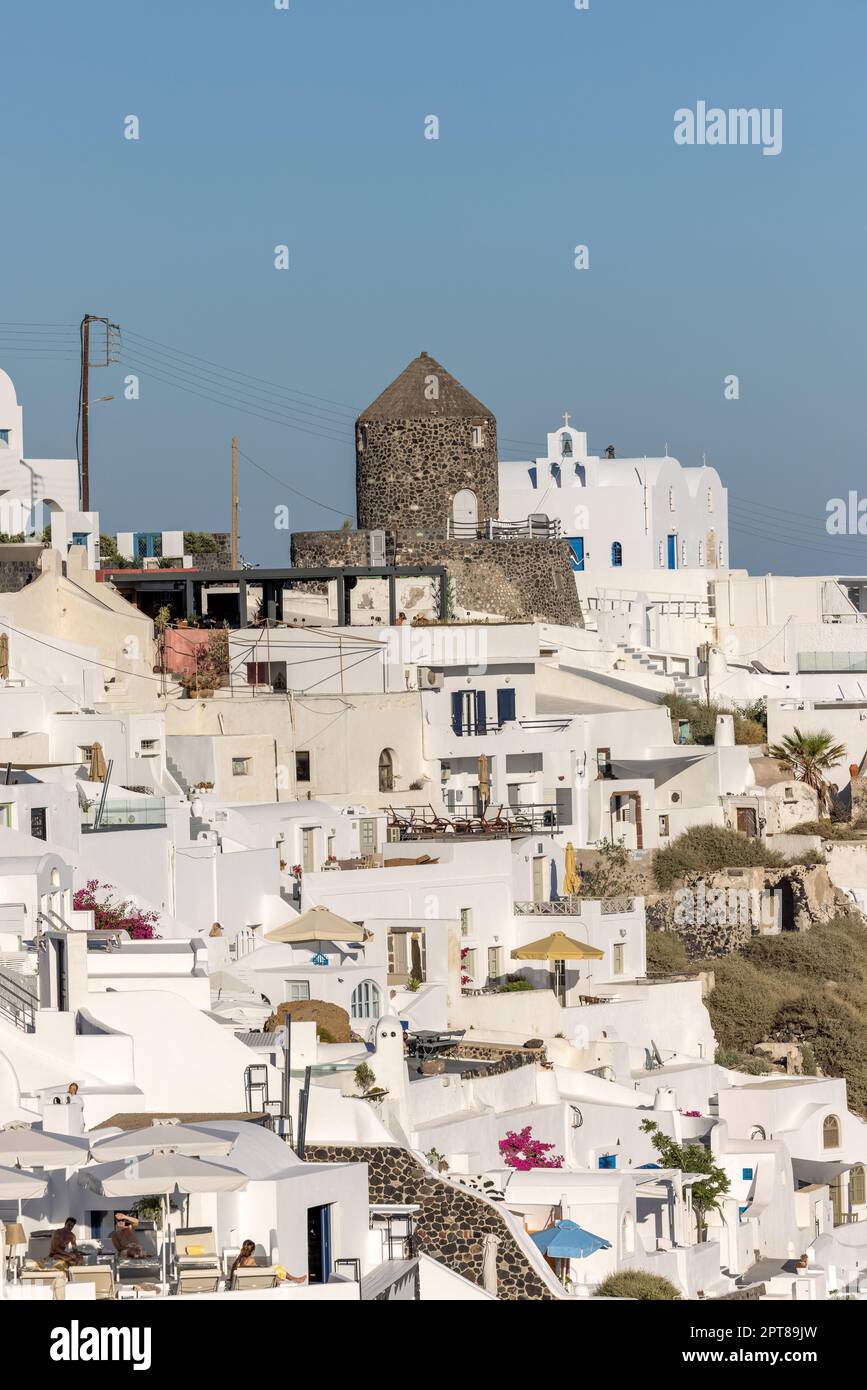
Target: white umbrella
[35,1148]
[181,1139]
[160,1174]
[17,1186]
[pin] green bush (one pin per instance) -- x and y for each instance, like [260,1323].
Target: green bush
[666,954]
[514,986]
[708,848]
[805,988]
[750,723]
[752,1064]
[636,1283]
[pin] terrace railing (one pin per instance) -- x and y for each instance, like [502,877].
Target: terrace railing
[17,1003]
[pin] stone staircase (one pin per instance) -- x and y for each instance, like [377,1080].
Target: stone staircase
[639,660]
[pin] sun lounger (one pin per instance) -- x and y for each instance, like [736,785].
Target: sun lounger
[99,1275]
[198,1281]
[53,1278]
[256,1277]
[196,1248]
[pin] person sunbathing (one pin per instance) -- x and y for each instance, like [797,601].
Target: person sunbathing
[123,1237]
[64,1246]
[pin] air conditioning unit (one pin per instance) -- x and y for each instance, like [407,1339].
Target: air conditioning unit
[428,679]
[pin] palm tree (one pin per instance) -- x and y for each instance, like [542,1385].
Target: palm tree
[810,756]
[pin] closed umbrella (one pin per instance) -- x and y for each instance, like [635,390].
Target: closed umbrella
[484,780]
[490,1247]
[97,764]
[571,876]
[181,1139]
[160,1174]
[566,1240]
[34,1148]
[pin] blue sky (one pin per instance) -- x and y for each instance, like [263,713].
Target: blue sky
[306,127]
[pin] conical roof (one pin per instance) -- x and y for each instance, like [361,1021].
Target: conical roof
[409,396]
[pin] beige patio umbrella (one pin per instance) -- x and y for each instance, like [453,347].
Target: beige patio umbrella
[4,655]
[97,764]
[484,780]
[24,1147]
[316,924]
[571,876]
[163,1135]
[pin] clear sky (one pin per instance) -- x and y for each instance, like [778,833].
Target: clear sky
[305,127]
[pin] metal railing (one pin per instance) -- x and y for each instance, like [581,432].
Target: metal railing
[559,907]
[534,528]
[420,823]
[17,1003]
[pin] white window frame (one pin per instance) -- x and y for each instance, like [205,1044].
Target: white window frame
[247,768]
[366,1001]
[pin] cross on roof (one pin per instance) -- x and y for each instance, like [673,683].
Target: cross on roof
[566,418]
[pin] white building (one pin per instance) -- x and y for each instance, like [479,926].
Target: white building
[647,514]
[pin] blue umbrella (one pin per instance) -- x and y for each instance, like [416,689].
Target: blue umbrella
[566,1240]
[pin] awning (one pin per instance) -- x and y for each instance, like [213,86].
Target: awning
[317,924]
[660,770]
[557,946]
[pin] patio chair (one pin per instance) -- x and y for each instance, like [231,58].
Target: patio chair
[101,1276]
[196,1249]
[39,1245]
[198,1281]
[254,1277]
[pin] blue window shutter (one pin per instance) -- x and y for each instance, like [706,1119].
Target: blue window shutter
[456,713]
[505,706]
[481,716]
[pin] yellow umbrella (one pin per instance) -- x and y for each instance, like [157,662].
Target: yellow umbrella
[571,876]
[316,924]
[557,946]
[97,764]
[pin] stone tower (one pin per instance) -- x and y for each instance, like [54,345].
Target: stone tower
[426,455]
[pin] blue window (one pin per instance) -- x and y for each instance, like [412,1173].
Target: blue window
[672,552]
[576,545]
[616,554]
[80,538]
[505,706]
[469,712]
[4,439]
[747,1174]
[608,1160]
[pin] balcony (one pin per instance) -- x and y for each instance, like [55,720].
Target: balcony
[537,528]
[141,813]
[502,822]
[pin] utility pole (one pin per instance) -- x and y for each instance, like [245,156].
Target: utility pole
[234,503]
[86,364]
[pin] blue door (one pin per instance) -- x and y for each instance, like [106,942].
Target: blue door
[608,1160]
[318,1244]
[576,545]
[672,552]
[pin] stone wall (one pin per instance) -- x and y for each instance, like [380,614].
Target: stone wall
[498,1059]
[712,926]
[409,471]
[517,579]
[19,565]
[452,1222]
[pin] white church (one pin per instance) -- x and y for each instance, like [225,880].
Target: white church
[647,514]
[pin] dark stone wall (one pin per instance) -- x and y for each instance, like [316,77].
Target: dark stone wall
[15,573]
[521,579]
[408,471]
[452,1221]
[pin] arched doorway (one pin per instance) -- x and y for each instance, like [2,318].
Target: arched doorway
[465,511]
[386,770]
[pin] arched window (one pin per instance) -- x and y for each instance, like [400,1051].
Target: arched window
[857,1186]
[701,554]
[831,1132]
[386,770]
[366,1000]
[710,499]
[616,554]
[757,1133]
[566,446]
[671,499]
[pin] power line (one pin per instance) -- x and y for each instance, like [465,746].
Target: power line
[273,476]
